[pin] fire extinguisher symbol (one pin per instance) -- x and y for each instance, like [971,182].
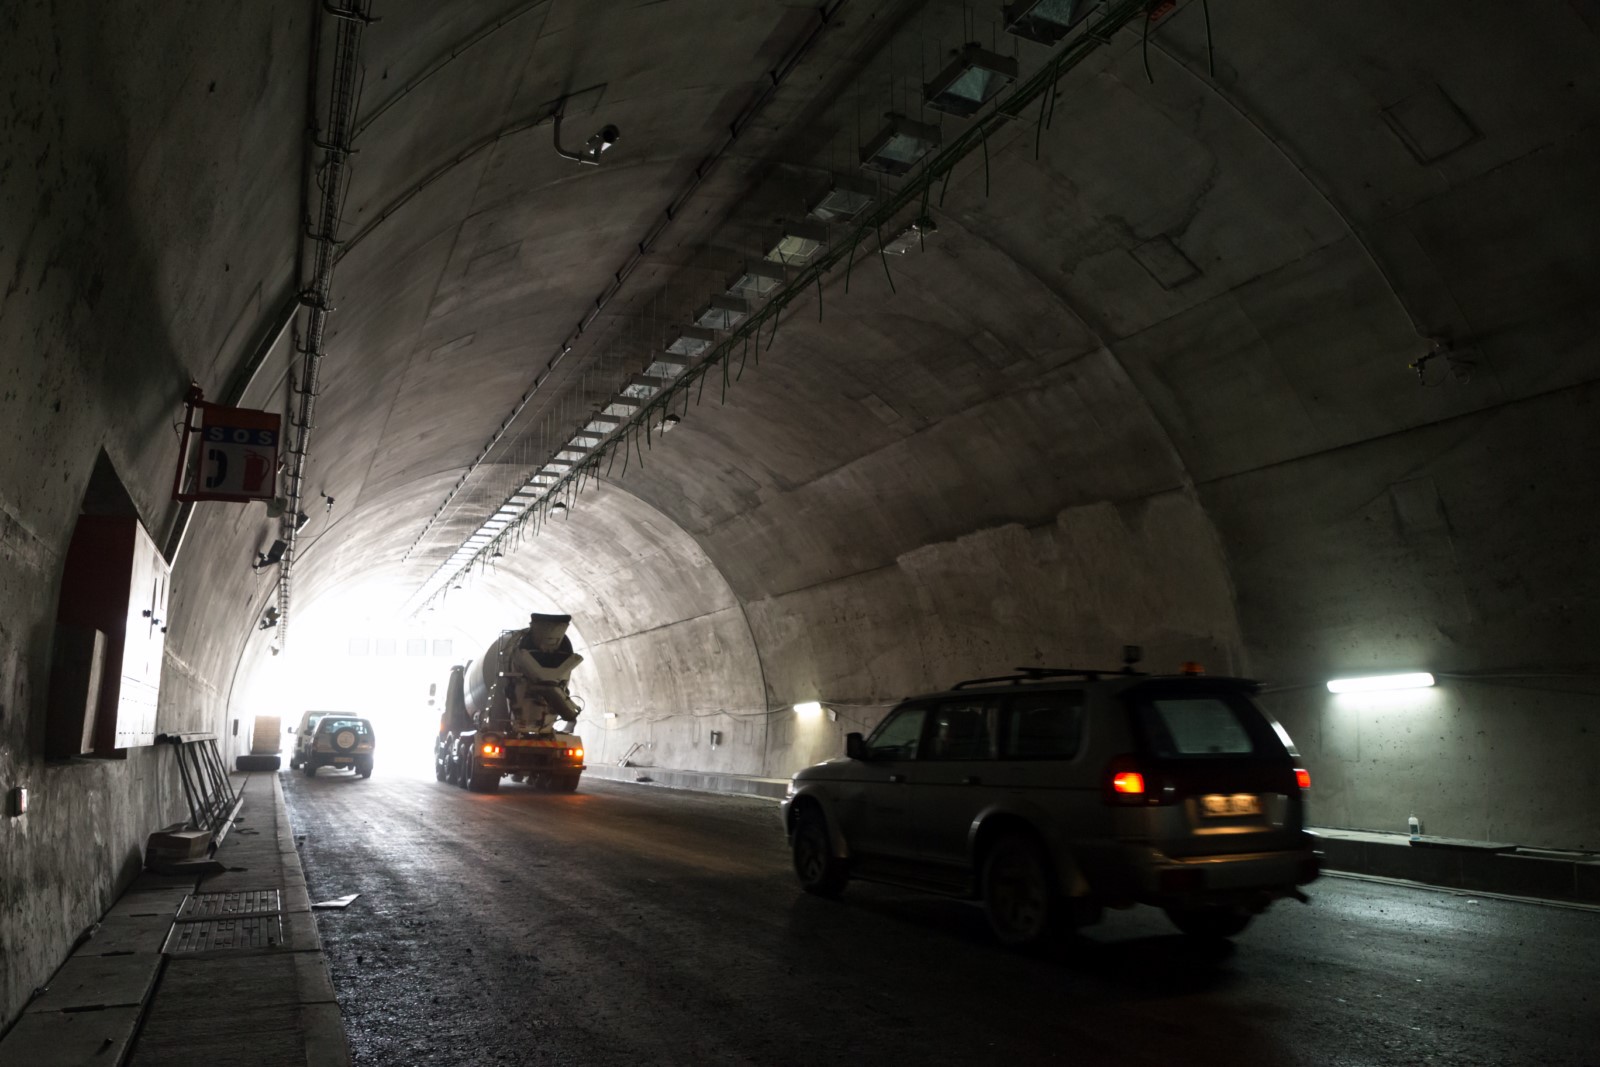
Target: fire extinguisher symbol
[219,467]
[256,466]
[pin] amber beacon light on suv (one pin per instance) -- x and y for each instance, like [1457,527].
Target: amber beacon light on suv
[1053,793]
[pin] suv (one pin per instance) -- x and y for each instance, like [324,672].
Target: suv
[337,741]
[1052,793]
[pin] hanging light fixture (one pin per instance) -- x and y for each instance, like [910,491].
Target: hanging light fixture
[1046,21]
[971,80]
[756,280]
[799,245]
[845,199]
[899,145]
[910,237]
[723,313]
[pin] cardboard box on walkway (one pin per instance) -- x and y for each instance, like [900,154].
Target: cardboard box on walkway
[175,844]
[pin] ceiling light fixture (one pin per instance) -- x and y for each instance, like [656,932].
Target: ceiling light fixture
[810,709]
[899,146]
[1378,683]
[843,201]
[971,80]
[800,243]
[558,508]
[1046,21]
[723,313]
[756,280]
[668,421]
[691,341]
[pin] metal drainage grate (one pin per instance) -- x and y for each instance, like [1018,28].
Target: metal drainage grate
[222,922]
[230,905]
[216,935]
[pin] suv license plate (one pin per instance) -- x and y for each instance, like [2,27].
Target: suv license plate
[1221,805]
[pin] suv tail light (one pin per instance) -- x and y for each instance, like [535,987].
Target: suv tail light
[1302,778]
[1130,784]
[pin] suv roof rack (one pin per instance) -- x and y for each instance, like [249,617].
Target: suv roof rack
[1038,674]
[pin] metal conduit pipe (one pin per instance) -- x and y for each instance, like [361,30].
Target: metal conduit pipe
[336,148]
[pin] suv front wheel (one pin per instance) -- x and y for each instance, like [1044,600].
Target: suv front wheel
[1019,893]
[819,870]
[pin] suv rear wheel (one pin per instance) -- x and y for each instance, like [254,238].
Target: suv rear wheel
[819,870]
[1019,893]
[1210,921]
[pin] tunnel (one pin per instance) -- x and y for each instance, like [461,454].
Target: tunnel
[1260,338]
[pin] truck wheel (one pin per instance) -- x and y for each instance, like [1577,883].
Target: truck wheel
[564,783]
[819,870]
[482,781]
[310,769]
[438,768]
[1019,894]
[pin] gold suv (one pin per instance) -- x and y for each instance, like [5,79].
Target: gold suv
[1050,794]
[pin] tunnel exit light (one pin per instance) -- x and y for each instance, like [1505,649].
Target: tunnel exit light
[809,710]
[1381,683]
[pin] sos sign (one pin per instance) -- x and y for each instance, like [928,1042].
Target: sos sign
[231,455]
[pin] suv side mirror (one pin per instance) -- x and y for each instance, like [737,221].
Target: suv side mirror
[855,746]
[291,729]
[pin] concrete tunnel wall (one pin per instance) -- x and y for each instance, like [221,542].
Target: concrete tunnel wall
[1150,388]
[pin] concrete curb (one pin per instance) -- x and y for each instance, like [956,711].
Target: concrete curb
[1474,866]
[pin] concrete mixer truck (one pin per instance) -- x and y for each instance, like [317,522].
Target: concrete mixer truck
[501,711]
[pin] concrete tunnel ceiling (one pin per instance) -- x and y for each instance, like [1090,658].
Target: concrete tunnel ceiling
[1147,381]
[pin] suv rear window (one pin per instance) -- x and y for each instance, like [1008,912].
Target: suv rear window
[333,726]
[1180,726]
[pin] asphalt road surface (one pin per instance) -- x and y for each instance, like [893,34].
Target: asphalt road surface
[628,924]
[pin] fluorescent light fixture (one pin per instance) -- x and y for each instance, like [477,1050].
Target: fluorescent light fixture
[843,201]
[808,710]
[756,280]
[691,341]
[910,237]
[723,313]
[800,243]
[899,146]
[1046,21]
[1378,683]
[970,81]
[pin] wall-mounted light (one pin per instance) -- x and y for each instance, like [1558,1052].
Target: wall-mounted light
[669,421]
[810,709]
[1046,21]
[558,508]
[970,81]
[273,554]
[1379,683]
[911,237]
[269,620]
[592,149]
[716,738]
[899,146]
[799,245]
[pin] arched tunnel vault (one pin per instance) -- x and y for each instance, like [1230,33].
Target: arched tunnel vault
[1147,383]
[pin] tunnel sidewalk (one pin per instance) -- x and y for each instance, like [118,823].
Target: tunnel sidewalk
[224,968]
[1449,863]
